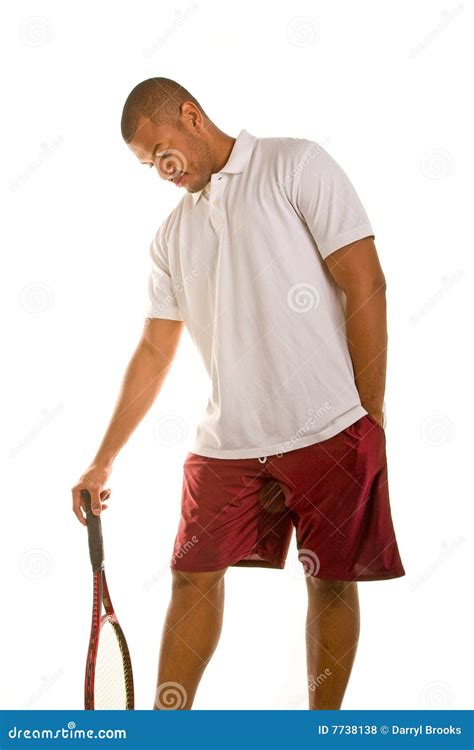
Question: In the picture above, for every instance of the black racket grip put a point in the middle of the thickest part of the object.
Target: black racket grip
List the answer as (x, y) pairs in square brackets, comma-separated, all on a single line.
[(94, 533)]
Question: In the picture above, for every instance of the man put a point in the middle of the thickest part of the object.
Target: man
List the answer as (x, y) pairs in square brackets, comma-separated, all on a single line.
[(270, 262)]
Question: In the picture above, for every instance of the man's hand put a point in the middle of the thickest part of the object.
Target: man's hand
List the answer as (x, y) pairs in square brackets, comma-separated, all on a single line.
[(92, 480)]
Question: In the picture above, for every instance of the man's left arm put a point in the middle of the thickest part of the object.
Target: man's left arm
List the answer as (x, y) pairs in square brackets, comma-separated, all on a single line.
[(356, 269)]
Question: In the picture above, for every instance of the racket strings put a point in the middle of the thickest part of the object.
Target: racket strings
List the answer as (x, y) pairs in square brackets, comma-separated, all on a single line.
[(111, 670)]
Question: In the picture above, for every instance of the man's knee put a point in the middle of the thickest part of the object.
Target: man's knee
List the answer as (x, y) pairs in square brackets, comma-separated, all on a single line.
[(326, 587), (202, 581)]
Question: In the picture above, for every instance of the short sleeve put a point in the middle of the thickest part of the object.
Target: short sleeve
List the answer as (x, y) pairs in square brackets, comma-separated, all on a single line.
[(328, 202), (162, 300)]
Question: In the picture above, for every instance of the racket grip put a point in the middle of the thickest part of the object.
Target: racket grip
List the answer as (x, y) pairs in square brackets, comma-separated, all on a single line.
[(94, 533)]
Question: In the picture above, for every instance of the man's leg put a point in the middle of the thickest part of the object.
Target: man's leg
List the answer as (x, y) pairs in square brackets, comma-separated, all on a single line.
[(190, 635), (332, 633)]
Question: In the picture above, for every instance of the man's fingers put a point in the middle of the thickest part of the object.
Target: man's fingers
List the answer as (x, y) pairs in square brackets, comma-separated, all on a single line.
[(80, 517), (97, 500), (96, 505), (76, 506)]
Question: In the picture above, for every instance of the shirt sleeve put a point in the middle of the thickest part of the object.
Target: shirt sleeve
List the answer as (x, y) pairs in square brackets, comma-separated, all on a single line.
[(328, 202), (162, 299)]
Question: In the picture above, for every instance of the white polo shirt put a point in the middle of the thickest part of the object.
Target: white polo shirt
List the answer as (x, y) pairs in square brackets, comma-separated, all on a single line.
[(242, 264)]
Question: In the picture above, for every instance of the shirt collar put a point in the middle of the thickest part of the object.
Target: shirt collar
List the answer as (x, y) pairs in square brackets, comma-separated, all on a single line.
[(237, 160)]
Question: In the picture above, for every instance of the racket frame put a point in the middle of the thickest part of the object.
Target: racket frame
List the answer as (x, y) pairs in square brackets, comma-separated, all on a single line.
[(101, 596)]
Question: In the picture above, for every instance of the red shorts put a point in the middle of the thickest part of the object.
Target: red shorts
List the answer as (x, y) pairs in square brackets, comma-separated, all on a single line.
[(334, 493)]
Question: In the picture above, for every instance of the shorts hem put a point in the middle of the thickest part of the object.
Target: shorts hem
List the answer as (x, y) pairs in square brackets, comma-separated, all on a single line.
[(251, 561), (369, 577)]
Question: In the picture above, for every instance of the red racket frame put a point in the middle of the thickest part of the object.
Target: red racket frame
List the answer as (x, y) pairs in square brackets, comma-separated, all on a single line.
[(101, 596)]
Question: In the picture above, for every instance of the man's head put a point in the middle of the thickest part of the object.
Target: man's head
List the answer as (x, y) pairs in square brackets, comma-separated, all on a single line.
[(166, 127)]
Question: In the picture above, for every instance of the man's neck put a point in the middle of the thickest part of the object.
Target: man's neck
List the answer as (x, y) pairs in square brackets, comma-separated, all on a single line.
[(223, 147)]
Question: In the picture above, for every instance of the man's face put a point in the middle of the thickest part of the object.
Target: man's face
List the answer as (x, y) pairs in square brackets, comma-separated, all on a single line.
[(180, 154)]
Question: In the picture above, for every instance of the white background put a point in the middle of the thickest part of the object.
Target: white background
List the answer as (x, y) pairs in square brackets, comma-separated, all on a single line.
[(385, 88)]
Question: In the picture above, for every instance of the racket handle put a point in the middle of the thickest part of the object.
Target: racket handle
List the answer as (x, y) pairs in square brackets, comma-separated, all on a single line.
[(94, 533)]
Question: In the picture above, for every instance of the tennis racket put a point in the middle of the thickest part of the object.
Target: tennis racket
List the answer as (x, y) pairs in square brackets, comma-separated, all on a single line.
[(109, 677)]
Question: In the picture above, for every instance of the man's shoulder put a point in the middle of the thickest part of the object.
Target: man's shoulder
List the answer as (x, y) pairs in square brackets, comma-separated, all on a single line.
[(285, 146), (283, 159), (286, 155)]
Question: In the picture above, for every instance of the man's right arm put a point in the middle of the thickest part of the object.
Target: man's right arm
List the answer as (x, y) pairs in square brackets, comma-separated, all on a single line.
[(142, 382)]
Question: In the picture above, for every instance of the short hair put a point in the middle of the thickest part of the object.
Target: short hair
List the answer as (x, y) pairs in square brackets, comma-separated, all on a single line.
[(158, 99)]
